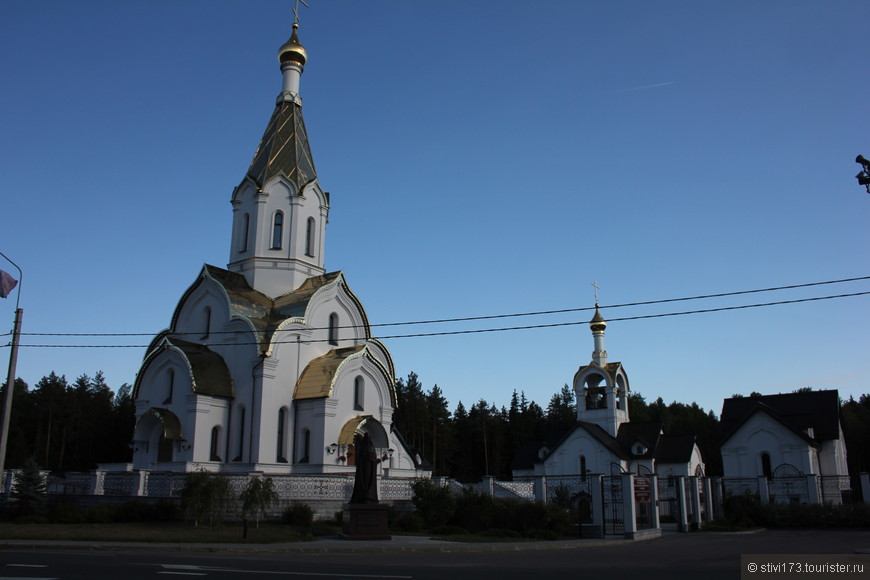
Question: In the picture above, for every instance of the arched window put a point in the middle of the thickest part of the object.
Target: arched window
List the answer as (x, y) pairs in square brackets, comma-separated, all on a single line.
[(306, 446), (206, 320), (170, 379), (241, 436), (333, 329), (280, 454), (358, 393), (766, 471), (246, 230), (214, 454), (309, 238), (277, 230), (596, 392), (583, 468)]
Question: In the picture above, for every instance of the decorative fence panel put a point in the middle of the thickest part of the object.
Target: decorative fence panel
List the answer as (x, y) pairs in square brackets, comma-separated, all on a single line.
[(836, 489), (740, 485), (514, 489), (120, 483), (567, 489), (788, 490)]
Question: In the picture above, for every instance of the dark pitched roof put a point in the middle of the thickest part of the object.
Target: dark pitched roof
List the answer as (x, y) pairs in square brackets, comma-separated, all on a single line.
[(675, 448), (284, 149), (819, 410), (209, 372), (646, 433)]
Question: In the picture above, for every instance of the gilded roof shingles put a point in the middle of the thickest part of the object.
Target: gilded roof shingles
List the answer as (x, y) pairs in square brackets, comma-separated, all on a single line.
[(284, 149)]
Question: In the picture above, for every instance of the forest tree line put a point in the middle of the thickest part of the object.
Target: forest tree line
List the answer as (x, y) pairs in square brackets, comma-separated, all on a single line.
[(74, 426)]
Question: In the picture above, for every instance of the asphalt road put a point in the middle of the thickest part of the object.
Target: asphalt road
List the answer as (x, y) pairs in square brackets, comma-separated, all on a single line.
[(708, 556)]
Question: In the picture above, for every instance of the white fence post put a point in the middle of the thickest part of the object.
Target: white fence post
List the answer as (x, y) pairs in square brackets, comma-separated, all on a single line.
[(865, 486), (541, 488), (763, 491), (629, 514), (813, 495), (683, 522)]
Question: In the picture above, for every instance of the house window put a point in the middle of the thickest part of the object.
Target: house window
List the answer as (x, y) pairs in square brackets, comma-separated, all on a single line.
[(246, 230), (215, 442), (765, 465), (583, 468), (358, 393), (309, 238), (282, 422), (333, 329), (277, 230)]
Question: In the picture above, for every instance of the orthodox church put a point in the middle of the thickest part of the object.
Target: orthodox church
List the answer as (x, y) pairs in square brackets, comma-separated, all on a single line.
[(270, 364), (604, 440)]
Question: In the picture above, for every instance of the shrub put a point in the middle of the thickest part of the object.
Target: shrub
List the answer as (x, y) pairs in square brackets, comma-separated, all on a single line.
[(409, 523), (299, 514), (101, 514), (64, 511), (474, 510), (434, 504)]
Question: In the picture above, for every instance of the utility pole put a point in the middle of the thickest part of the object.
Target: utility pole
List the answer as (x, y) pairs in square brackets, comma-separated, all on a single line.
[(10, 380)]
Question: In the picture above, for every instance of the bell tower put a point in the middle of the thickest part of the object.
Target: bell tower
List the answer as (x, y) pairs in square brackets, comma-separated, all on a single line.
[(279, 209), (601, 388)]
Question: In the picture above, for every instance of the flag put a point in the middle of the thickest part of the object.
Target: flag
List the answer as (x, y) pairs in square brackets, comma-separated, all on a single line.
[(7, 283)]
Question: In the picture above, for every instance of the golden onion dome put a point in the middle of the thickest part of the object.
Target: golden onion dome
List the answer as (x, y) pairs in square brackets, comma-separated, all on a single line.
[(597, 322), (292, 50)]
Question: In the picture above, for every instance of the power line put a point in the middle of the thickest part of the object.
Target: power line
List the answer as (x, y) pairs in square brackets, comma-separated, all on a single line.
[(503, 329), (485, 317)]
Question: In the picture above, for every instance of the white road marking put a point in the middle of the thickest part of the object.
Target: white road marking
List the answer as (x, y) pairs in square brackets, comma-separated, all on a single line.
[(188, 567), (27, 565)]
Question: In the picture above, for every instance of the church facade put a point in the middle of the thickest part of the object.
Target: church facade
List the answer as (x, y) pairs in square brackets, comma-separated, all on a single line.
[(269, 364), (604, 440)]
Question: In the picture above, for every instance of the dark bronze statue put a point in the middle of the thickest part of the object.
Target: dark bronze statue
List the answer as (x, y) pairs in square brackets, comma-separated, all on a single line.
[(365, 483)]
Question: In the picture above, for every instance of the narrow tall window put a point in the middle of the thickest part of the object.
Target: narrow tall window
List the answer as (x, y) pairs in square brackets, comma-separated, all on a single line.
[(206, 315), (309, 238), (282, 421), (765, 465), (583, 468), (277, 230), (241, 434), (333, 329), (358, 393), (246, 229), (213, 454), (306, 446), (170, 378)]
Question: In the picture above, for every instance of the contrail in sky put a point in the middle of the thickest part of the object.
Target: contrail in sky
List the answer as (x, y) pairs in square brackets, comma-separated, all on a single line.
[(644, 87)]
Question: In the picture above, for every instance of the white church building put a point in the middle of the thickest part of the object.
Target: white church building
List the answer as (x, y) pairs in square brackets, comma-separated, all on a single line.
[(269, 365), (604, 440)]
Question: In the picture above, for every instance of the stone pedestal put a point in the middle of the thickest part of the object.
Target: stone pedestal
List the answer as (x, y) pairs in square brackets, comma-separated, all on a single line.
[(366, 521)]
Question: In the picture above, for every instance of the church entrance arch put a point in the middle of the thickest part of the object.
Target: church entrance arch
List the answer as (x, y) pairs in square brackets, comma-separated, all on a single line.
[(359, 426), (156, 432)]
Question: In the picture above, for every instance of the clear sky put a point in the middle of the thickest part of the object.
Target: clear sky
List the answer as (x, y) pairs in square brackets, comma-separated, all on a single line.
[(486, 157)]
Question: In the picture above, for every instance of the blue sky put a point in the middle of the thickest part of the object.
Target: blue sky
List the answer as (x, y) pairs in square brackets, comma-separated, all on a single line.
[(483, 157)]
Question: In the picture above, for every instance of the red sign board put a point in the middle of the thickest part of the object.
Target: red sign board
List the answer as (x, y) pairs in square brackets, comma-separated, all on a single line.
[(641, 489)]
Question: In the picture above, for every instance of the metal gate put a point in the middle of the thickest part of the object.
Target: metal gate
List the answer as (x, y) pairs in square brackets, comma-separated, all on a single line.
[(611, 493), (669, 503)]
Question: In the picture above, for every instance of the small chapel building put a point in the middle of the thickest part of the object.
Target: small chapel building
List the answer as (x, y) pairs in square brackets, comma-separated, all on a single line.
[(604, 440), (269, 364), (785, 435)]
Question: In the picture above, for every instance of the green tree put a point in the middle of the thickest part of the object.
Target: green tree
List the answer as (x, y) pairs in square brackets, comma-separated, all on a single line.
[(28, 488), (257, 497), (205, 496)]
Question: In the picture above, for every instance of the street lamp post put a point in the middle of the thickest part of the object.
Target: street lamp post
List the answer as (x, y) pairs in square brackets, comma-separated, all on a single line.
[(10, 380)]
